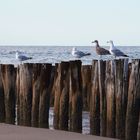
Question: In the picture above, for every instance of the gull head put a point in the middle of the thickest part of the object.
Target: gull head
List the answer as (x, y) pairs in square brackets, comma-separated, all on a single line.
[(74, 49), (17, 54), (95, 41)]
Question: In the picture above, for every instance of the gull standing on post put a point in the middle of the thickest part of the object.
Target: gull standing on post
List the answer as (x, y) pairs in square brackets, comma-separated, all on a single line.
[(99, 50), (21, 57), (78, 54), (114, 51)]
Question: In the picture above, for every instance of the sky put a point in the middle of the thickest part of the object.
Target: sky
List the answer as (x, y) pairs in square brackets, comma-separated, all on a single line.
[(69, 22)]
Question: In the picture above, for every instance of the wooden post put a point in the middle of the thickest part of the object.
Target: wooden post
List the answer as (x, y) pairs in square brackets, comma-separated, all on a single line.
[(132, 116), (101, 72), (125, 86), (64, 99), (54, 86), (51, 87), (18, 96), (25, 94), (2, 104), (44, 102), (110, 95), (121, 96), (86, 85), (36, 94), (61, 104), (8, 79), (75, 96), (138, 132), (41, 95), (95, 101), (56, 91)]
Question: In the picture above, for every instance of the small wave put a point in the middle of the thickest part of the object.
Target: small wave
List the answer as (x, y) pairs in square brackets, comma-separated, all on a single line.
[(56, 54)]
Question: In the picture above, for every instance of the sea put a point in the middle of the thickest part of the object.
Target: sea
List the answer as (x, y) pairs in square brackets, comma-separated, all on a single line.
[(85, 121), (56, 54)]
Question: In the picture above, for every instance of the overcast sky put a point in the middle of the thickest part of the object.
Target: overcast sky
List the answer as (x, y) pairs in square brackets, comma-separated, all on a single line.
[(69, 22)]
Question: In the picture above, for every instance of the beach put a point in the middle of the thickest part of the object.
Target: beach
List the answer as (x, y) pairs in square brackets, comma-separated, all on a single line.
[(13, 132)]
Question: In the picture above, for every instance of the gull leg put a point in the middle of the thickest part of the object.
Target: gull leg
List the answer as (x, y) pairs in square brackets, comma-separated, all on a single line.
[(99, 57), (113, 56)]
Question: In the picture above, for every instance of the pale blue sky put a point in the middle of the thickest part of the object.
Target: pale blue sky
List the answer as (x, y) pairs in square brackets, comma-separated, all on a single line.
[(69, 22)]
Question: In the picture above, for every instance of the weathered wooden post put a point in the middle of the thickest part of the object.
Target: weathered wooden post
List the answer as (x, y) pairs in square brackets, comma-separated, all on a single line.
[(25, 94), (103, 102), (44, 102), (61, 103), (75, 96), (36, 94), (125, 91), (86, 85), (132, 115), (8, 79), (54, 85), (138, 132), (2, 103), (95, 101), (51, 87), (121, 96), (56, 101), (110, 96), (17, 96), (125, 85)]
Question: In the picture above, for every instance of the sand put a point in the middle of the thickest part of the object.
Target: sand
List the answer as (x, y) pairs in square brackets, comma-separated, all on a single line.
[(12, 132)]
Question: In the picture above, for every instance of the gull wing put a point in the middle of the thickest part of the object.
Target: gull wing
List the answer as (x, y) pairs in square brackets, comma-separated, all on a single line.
[(117, 52), (102, 51), (23, 57), (80, 53)]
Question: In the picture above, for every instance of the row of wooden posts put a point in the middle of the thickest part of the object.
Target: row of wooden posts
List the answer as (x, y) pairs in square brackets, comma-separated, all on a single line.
[(110, 90)]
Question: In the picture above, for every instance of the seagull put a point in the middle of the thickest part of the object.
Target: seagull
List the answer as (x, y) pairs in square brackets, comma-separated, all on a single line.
[(78, 54), (21, 57), (99, 50), (114, 51)]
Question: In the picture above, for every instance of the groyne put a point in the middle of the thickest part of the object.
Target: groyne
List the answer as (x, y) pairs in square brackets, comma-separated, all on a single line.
[(109, 90)]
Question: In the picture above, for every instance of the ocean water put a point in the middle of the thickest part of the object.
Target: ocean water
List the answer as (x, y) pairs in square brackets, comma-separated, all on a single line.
[(56, 54)]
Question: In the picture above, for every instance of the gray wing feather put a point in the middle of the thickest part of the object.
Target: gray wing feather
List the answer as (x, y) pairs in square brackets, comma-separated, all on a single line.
[(81, 54), (22, 57), (118, 53)]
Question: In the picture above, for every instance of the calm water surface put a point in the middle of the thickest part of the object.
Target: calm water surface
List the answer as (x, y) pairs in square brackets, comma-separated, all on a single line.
[(56, 54)]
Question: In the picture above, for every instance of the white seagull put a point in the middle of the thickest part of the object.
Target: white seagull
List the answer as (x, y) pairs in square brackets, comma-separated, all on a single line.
[(78, 54), (114, 51), (21, 57)]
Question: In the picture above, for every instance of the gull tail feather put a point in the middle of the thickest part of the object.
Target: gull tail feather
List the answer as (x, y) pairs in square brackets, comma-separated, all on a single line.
[(88, 53), (125, 55)]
